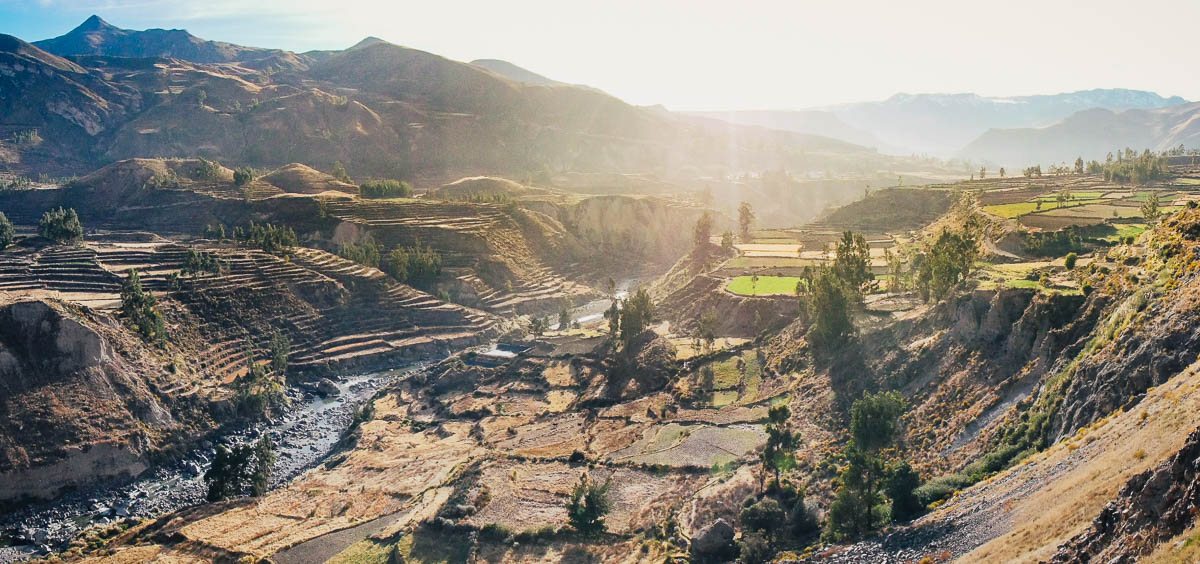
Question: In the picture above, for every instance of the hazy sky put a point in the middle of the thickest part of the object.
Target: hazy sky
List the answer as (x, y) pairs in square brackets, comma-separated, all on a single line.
[(708, 54)]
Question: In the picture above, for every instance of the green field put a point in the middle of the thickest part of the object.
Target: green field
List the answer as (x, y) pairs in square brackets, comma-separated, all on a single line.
[(1011, 210), (766, 286)]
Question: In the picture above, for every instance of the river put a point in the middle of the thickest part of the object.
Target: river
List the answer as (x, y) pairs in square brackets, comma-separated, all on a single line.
[(303, 438)]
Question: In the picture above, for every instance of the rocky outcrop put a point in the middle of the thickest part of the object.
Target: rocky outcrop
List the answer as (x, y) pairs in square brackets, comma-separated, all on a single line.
[(1153, 507)]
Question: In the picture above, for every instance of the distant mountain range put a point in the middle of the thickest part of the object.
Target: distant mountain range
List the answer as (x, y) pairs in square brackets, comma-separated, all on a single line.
[(1091, 134), (101, 93), (943, 124)]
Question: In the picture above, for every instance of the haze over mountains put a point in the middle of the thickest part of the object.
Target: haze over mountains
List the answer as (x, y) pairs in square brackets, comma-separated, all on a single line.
[(944, 124)]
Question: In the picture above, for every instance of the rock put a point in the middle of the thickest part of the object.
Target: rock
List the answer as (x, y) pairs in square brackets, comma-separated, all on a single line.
[(40, 536), (713, 538), (326, 388)]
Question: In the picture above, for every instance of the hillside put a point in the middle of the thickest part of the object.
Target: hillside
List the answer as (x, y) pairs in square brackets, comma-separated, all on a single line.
[(381, 109), (1091, 134)]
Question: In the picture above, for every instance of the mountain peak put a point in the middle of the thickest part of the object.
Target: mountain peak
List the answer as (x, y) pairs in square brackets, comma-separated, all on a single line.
[(93, 23), (367, 42)]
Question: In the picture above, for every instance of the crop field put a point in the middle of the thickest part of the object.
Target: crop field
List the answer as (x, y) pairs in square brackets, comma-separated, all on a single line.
[(765, 286), (769, 249), (691, 445)]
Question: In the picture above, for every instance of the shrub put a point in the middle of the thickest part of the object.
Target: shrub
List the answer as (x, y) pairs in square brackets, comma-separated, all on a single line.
[(140, 309), (7, 233), (365, 252), (754, 549), (588, 506), (243, 176), (765, 516), (416, 266), (61, 226), (208, 170), (1070, 260), (385, 189)]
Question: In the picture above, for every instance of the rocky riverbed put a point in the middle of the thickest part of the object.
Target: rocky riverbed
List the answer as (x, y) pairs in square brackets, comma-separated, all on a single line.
[(303, 437)]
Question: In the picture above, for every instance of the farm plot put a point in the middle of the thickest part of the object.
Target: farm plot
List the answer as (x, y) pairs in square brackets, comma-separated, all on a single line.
[(764, 286), (697, 446)]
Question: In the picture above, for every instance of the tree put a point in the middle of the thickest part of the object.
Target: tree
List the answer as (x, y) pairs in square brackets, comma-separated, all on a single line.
[(829, 309), (1001, 172), (1078, 165), (946, 264), (258, 392), (61, 226), (706, 328), (766, 516), (701, 234), (777, 454), (745, 220), (7, 233), (1069, 261), (873, 427), (264, 460), (385, 189), (339, 172), (564, 315), (637, 313), (982, 172), (895, 271), (538, 325), (1150, 209), (900, 486), (140, 310), (416, 266), (243, 176), (754, 549), (613, 315), (588, 506), (727, 242), (281, 347), (230, 471), (853, 263)]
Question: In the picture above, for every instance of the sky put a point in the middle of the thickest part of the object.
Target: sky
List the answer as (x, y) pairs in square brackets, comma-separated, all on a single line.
[(717, 55)]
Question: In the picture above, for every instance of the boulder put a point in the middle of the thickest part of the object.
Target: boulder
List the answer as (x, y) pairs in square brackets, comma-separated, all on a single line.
[(326, 387), (713, 539)]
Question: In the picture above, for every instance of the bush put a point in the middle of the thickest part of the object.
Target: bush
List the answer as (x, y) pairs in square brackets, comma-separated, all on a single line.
[(765, 516), (208, 170), (7, 233), (415, 266), (365, 252), (1070, 260), (140, 309), (901, 487), (385, 189), (61, 226), (588, 506), (243, 176), (754, 549)]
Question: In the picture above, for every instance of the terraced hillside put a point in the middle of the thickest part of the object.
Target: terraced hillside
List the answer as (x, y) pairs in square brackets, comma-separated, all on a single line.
[(335, 313)]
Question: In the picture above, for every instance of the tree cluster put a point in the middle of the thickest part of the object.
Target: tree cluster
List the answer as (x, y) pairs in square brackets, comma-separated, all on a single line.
[(8, 233), (61, 226), (946, 263), (386, 188), (271, 239), (588, 506), (416, 266), (629, 317), (140, 309), (240, 469)]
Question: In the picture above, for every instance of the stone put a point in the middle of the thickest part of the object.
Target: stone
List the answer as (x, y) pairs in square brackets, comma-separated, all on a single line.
[(714, 538), (326, 387)]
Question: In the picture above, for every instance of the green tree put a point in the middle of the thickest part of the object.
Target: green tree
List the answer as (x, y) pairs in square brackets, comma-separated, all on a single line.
[(281, 347), (1150, 209), (901, 486), (701, 234), (140, 309), (874, 422), (61, 226), (588, 506), (777, 454), (852, 263), (243, 176), (754, 549), (229, 474), (416, 266), (946, 264), (264, 460), (1070, 260), (538, 325), (745, 220), (7, 233), (637, 313), (386, 188), (564, 314), (765, 516), (1078, 165), (339, 172), (829, 310), (706, 328)]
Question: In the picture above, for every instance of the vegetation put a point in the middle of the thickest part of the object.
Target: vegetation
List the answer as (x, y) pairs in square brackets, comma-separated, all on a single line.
[(365, 252), (61, 226), (25, 137), (260, 393), (7, 233), (208, 170), (853, 264), (701, 234), (777, 454), (340, 174), (243, 176), (236, 469), (416, 266), (636, 314), (859, 506), (386, 188), (946, 264), (1150, 209), (269, 238), (745, 220), (763, 285), (588, 506), (140, 309), (195, 263), (829, 310)]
